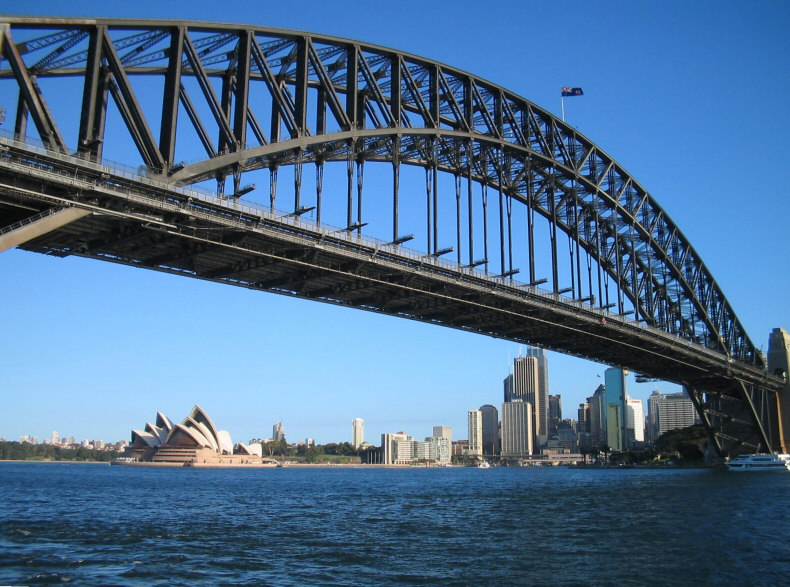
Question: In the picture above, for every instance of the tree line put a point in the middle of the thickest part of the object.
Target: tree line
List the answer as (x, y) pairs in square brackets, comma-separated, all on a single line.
[(310, 453), (25, 451)]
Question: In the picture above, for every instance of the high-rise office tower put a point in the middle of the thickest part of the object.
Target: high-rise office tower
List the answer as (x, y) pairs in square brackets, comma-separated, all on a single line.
[(475, 424), (541, 404), (524, 384), (634, 421), (357, 432), (597, 416), (652, 415), (278, 432), (517, 429), (615, 395), (555, 413), (668, 412), (490, 429), (583, 434)]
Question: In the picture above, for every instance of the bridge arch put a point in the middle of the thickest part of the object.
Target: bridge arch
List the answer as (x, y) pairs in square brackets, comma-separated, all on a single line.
[(256, 98)]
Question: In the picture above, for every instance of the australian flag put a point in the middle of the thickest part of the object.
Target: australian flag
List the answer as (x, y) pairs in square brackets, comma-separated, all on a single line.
[(571, 91)]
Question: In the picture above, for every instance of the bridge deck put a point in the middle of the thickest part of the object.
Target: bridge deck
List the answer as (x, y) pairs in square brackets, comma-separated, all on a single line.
[(140, 222)]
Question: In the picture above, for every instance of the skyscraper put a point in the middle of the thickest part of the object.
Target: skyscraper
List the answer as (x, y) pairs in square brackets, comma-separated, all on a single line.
[(541, 404), (524, 384), (583, 431), (615, 395), (278, 432), (475, 424), (517, 429), (668, 412), (357, 432), (597, 416), (555, 413), (635, 421), (490, 429)]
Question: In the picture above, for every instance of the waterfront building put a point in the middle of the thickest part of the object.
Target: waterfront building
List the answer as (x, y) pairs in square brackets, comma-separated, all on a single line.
[(389, 449), (517, 433), (475, 426), (442, 441), (357, 432), (195, 441), (278, 432), (490, 430), (403, 453), (442, 448)]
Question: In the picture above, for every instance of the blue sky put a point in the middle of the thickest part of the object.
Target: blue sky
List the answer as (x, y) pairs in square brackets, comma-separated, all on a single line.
[(691, 98)]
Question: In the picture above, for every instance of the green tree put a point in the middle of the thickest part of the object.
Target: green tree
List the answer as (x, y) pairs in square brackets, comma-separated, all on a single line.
[(684, 443)]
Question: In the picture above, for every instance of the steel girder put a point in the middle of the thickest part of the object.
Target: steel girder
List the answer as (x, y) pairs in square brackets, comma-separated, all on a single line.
[(336, 100)]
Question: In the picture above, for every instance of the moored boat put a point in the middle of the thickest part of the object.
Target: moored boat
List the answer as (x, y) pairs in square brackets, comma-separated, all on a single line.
[(759, 462)]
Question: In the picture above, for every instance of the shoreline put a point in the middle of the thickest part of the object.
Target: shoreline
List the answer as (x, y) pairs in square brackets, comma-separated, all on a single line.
[(54, 461)]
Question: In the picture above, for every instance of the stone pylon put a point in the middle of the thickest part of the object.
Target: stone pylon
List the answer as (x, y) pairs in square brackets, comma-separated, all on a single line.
[(779, 364)]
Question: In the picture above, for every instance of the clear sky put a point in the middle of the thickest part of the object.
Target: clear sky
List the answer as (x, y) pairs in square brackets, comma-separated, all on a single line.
[(690, 97)]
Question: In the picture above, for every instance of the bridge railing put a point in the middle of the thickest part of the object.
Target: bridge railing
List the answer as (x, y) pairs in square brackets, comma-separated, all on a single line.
[(195, 193)]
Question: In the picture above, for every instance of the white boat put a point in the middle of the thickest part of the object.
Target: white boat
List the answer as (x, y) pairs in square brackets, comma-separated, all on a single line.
[(759, 462), (483, 465)]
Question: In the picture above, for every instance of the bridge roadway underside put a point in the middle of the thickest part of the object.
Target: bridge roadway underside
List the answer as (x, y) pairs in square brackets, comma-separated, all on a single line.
[(135, 221)]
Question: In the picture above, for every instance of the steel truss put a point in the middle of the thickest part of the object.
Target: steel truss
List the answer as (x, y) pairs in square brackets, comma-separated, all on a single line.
[(257, 98)]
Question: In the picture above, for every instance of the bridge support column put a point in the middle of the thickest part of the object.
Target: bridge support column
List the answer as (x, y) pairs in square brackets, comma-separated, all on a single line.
[(38, 226), (779, 364)]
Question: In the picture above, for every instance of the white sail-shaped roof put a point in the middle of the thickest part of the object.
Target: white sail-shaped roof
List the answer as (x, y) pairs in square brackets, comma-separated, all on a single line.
[(255, 448), (163, 422), (225, 443), (182, 435), (160, 433), (206, 425), (143, 437)]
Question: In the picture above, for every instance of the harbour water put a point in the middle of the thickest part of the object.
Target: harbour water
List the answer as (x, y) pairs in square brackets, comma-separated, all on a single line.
[(94, 524)]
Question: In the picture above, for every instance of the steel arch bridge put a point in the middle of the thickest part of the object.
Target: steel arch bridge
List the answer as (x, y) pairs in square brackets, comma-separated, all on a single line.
[(504, 198)]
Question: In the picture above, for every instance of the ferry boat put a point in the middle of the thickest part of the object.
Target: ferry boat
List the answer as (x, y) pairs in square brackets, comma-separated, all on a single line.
[(760, 462)]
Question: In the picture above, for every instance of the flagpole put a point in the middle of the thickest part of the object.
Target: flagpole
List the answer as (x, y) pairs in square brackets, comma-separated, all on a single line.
[(562, 99)]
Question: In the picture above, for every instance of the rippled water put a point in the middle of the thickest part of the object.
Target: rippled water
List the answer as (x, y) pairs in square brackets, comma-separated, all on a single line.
[(94, 524)]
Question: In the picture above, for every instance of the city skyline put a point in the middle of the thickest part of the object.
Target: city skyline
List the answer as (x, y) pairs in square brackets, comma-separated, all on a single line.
[(93, 344)]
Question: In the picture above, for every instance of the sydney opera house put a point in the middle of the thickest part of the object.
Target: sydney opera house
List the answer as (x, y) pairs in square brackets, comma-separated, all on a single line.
[(196, 441)]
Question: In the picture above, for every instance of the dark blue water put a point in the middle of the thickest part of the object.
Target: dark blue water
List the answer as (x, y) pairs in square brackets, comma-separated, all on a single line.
[(94, 524)]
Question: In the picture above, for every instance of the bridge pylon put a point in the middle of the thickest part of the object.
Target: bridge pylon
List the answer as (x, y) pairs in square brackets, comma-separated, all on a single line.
[(779, 364)]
